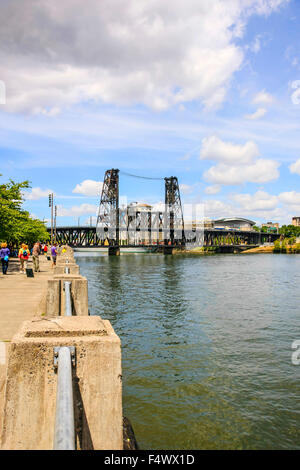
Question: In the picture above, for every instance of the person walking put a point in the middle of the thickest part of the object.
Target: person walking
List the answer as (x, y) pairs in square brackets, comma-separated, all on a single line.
[(54, 254), (45, 249), (23, 256), (36, 250), (4, 255)]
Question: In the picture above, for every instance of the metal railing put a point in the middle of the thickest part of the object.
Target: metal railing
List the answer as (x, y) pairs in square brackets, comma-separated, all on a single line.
[(64, 433), (68, 303)]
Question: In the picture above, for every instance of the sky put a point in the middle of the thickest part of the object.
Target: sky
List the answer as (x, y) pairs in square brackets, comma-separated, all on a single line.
[(208, 91)]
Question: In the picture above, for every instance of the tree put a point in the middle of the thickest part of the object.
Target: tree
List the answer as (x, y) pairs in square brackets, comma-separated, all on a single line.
[(290, 231), (16, 225)]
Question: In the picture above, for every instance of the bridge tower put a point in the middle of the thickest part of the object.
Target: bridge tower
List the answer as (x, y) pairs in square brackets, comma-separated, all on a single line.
[(173, 214), (108, 217)]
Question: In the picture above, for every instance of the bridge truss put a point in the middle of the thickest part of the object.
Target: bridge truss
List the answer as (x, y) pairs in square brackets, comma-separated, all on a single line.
[(87, 237), (118, 224), (130, 226)]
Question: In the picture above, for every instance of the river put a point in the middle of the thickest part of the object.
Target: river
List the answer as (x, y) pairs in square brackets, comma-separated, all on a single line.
[(206, 346)]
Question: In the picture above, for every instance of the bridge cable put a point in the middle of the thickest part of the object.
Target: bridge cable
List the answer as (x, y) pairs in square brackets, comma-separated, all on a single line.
[(141, 177)]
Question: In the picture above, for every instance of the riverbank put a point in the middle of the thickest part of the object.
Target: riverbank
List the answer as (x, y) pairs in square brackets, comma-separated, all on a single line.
[(276, 248), (280, 247)]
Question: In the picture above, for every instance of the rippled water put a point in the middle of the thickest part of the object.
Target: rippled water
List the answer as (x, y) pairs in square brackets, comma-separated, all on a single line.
[(206, 346)]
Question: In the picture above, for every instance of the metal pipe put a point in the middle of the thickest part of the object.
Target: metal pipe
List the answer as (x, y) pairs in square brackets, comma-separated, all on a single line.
[(68, 305), (64, 434)]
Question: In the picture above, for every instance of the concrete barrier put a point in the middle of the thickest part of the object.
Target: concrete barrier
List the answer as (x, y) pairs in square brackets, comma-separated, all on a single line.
[(72, 268), (55, 303), (30, 390), (30, 386)]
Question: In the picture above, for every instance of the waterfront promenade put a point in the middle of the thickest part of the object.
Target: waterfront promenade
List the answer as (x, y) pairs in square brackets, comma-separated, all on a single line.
[(54, 357), (21, 297), (18, 290)]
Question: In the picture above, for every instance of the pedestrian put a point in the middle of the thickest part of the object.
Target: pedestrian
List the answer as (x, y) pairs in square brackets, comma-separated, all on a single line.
[(36, 250), (4, 255), (54, 254), (45, 249), (23, 255)]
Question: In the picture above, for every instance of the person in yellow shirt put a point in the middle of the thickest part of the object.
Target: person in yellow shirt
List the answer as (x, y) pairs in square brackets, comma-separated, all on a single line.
[(23, 256)]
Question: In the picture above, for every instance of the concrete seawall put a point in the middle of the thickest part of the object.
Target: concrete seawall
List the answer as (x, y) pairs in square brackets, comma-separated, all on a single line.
[(34, 325)]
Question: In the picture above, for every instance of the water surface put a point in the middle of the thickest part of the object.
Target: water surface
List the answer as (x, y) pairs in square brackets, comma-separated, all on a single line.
[(206, 346)]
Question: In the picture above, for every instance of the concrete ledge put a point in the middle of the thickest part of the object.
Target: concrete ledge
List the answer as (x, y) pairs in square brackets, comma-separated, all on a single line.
[(56, 296), (30, 390), (72, 267)]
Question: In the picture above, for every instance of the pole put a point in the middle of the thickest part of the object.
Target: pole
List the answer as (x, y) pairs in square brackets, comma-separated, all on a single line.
[(55, 214), (64, 434), (68, 305), (51, 205)]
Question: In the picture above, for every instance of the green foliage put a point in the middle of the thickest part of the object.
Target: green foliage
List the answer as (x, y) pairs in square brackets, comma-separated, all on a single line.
[(277, 246), (288, 245), (16, 225), (290, 231)]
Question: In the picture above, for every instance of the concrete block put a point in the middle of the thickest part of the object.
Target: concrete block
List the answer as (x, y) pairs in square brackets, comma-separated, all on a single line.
[(53, 297), (72, 268), (65, 260), (30, 389), (56, 295)]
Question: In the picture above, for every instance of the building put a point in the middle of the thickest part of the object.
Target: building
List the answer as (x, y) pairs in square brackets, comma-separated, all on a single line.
[(271, 227), (234, 223), (296, 221), (135, 216), (198, 224)]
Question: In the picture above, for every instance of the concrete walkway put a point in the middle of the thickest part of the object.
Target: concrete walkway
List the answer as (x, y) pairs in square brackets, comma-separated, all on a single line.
[(20, 298)]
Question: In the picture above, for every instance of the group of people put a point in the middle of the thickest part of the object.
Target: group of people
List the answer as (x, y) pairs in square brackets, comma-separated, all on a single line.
[(24, 253)]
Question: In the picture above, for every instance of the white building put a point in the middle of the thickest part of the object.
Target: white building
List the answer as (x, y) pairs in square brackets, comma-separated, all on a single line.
[(234, 223)]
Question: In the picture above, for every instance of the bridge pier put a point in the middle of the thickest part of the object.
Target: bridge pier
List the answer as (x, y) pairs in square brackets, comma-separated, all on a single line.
[(113, 251)]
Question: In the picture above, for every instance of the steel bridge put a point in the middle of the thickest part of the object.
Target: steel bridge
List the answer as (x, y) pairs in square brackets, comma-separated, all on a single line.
[(86, 237), (163, 229)]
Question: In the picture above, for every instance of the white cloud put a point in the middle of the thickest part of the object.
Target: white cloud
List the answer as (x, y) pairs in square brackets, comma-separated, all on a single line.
[(260, 201), (214, 189), (261, 171), (215, 149), (257, 114), (263, 98), (151, 52), (37, 193), (260, 206), (291, 198), (186, 188), (237, 164), (77, 211), (256, 45), (295, 167), (88, 188)]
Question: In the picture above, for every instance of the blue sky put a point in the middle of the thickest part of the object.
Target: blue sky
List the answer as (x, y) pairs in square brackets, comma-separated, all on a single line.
[(207, 92)]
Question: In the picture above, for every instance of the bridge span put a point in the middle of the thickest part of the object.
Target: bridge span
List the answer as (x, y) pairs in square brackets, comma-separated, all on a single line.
[(86, 237)]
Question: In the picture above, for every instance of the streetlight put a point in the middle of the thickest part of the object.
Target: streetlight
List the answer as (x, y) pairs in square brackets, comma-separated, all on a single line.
[(55, 215), (51, 205)]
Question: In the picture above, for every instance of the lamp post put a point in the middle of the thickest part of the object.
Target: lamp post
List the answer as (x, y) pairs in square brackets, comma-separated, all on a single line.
[(51, 205), (55, 215)]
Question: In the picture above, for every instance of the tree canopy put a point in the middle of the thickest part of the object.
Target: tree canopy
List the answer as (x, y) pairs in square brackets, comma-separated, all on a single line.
[(290, 231), (16, 225)]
